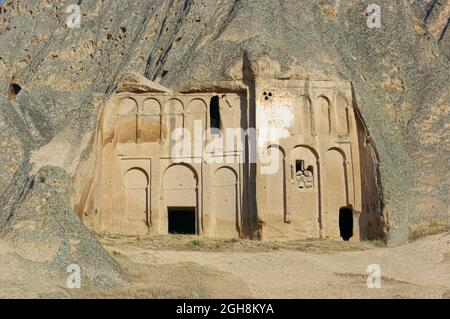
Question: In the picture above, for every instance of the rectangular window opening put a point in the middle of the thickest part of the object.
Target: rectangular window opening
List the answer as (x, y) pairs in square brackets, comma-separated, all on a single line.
[(299, 166)]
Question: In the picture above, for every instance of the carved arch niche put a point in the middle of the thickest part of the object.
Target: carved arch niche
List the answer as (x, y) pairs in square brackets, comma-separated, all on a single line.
[(126, 121), (323, 115), (150, 120), (172, 118), (276, 185), (136, 202), (304, 189), (342, 115), (306, 116), (180, 183), (195, 119), (226, 202), (337, 189)]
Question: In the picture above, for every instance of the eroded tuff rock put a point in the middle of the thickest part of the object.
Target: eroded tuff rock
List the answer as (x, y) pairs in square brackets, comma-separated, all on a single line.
[(435, 16), (43, 229), (399, 73)]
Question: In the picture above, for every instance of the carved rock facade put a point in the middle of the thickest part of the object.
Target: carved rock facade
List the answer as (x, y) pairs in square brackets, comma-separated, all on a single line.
[(167, 162)]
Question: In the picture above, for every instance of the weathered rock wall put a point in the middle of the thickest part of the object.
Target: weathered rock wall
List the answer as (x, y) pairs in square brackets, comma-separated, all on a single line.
[(399, 74)]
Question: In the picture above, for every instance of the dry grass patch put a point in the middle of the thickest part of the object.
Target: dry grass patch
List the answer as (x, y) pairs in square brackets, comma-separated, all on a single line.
[(196, 243), (429, 228)]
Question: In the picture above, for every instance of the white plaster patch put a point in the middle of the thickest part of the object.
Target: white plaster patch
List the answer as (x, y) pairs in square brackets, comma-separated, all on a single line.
[(273, 121)]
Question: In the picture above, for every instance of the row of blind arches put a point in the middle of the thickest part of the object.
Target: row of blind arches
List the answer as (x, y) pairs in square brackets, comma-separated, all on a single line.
[(196, 108), (311, 118), (179, 176), (322, 117)]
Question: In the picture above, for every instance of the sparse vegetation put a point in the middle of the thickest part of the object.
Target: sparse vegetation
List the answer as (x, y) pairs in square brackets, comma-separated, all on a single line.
[(428, 228), (187, 242), (115, 253)]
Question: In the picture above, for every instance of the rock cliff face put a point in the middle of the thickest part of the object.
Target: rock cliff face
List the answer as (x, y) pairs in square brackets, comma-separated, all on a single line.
[(49, 74), (436, 16)]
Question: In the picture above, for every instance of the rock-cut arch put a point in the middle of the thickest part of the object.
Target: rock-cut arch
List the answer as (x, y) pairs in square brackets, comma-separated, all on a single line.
[(304, 190), (127, 106), (136, 202), (172, 117), (180, 196), (342, 115), (305, 116), (226, 202), (275, 208), (337, 189), (180, 183), (195, 119), (135, 178), (322, 110), (126, 123), (150, 120)]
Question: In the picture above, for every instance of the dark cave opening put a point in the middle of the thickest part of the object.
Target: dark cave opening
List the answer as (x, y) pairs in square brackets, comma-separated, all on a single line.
[(346, 223), (181, 220)]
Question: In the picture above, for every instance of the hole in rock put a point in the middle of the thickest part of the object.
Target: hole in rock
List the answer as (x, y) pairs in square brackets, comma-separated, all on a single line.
[(15, 88), (346, 223)]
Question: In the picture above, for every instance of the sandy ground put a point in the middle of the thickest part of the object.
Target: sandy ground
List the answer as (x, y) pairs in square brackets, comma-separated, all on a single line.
[(189, 267)]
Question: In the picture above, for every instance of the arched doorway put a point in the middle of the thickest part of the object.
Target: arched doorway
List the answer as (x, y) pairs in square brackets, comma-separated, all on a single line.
[(135, 218), (180, 199), (346, 223), (336, 195)]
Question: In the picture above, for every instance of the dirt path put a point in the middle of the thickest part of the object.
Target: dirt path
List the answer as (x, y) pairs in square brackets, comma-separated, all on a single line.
[(419, 269), (179, 267)]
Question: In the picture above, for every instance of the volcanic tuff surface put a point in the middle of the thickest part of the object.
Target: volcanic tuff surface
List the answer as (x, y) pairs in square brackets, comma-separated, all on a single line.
[(49, 73)]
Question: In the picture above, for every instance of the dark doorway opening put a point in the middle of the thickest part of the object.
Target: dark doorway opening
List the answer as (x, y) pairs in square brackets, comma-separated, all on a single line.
[(299, 166), (181, 220), (214, 115), (346, 222)]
